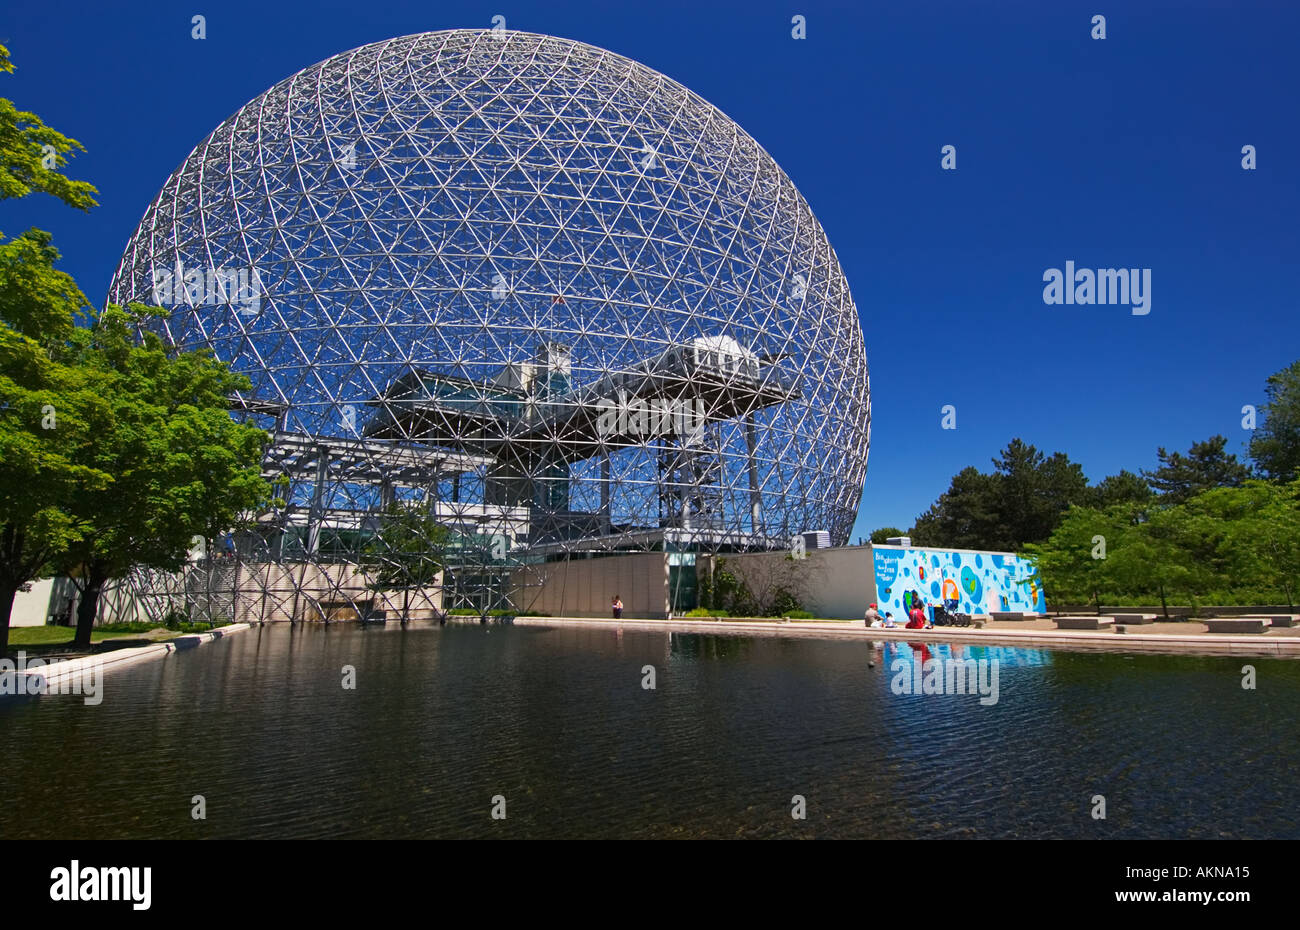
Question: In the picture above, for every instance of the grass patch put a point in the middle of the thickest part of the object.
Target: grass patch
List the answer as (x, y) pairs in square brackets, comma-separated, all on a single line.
[(56, 635), (40, 639)]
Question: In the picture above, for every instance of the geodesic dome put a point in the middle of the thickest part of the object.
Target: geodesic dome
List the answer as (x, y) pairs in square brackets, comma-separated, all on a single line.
[(546, 291)]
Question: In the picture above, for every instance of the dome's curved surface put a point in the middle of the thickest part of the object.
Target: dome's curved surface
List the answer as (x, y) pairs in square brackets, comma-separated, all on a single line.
[(509, 218)]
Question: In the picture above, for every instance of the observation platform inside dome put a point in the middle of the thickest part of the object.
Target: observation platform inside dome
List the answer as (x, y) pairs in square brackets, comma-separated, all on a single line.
[(528, 410)]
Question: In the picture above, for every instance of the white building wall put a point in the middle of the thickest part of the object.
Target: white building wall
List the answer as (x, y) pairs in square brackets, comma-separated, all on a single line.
[(835, 583), (31, 608)]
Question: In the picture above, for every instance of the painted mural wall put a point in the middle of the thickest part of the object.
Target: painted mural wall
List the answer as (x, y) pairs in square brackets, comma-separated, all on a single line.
[(980, 582)]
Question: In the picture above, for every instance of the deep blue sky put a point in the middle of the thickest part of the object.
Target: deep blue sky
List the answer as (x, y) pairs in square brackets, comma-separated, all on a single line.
[(1122, 152)]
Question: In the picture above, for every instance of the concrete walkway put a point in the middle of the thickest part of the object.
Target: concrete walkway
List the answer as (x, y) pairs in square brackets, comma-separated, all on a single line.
[(1189, 638)]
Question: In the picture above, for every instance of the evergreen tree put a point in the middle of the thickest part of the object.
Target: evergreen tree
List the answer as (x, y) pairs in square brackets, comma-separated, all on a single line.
[(966, 516), (1206, 465), (1123, 488)]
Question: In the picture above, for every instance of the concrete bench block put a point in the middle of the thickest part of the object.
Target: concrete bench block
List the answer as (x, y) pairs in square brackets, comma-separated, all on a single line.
[(1012, 615), (1084, 623), (1237, 625), (1275, 619), (1134, 618)]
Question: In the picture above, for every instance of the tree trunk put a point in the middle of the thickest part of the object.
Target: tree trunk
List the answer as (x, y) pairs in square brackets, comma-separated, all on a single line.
[(7, 593), (86, 610), (1163, 603), (11, 550)]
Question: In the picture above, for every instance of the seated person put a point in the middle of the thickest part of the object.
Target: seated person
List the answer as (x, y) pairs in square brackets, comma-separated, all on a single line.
[(873, 616), (916, 620)]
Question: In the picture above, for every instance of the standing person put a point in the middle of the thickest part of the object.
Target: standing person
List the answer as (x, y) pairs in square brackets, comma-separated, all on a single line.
[(873, 616), (617, 604)]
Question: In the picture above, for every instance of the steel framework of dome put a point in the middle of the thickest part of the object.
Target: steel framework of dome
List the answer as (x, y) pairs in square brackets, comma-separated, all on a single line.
[(516, 287)]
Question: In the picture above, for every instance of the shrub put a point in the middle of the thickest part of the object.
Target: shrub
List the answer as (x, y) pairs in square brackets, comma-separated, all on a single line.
[(123, 626), (784, 604)]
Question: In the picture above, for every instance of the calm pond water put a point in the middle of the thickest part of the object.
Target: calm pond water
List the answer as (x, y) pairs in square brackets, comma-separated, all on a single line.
[(557, 722)]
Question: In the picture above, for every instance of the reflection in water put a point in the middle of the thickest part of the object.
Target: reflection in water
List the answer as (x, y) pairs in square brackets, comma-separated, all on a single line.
[(1006, 656), (557, 720)]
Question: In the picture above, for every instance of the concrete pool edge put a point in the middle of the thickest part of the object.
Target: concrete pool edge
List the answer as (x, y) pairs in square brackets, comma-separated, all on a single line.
[(59, 671), (1186, 644)]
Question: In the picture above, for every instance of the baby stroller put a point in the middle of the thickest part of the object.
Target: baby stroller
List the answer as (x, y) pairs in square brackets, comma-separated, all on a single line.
[(945, 617)]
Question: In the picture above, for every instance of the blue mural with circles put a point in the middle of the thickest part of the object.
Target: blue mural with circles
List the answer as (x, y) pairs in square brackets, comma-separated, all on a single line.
[(980, 582)]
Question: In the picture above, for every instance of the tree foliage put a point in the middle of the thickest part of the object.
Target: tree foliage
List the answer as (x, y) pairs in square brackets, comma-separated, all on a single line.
[(966, 516), (1234, 544), (32, 153), (1124, 488), (181, 466), (1074, 562), (1275, 445), (407, 551), (1206, 465), (1020, 501), (50, 415), (114, 450), (885, 533)]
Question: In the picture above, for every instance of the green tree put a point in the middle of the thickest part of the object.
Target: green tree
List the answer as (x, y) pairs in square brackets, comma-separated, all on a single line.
[(1275, 445), (113, 451), (1206, 465), (1020, 502), (181, 466), (407, 552), (49, 414), (1254, 532), (1034, 491), (1157, 557), (881, 536), (966, 516), (1074, 561)]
